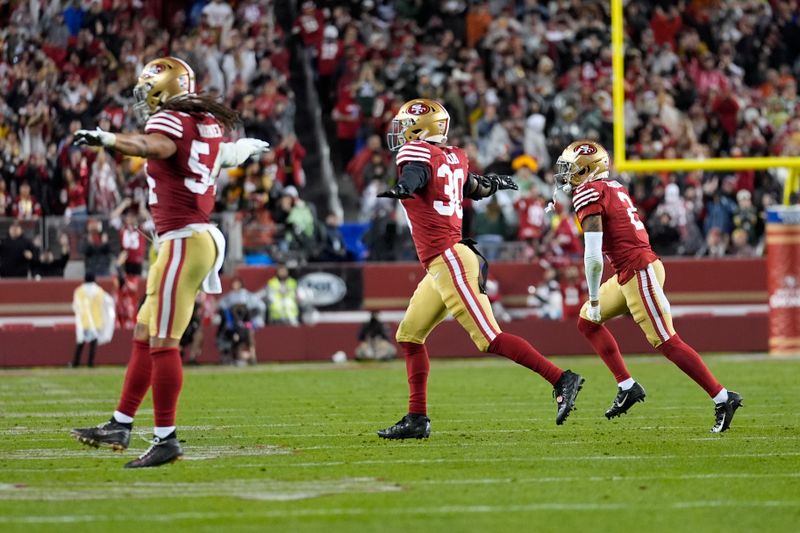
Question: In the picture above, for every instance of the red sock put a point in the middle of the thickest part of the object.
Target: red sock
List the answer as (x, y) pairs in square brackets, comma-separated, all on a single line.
[(605, 346), (521, 352), (137, 379), (167, 383), (690, 362), (417, 367)]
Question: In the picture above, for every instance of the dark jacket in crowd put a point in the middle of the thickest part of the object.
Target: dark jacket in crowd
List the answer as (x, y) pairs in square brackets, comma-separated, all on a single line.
[(13, 263)]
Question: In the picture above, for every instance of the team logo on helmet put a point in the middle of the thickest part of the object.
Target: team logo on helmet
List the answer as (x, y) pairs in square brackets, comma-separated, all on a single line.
[(585, 149), (418, 109), (152, 70)]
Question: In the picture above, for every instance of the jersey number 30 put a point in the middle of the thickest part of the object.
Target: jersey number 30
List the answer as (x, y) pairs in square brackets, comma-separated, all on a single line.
[(453, 189)]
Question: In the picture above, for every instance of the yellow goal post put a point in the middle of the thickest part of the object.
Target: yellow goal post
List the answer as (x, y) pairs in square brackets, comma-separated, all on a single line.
[(622, 164)]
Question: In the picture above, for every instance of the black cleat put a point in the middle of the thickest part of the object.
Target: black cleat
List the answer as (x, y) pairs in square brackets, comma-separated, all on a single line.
[(625, 400), (160, 452), (723, 412), (565, 392), (111, 434), (410, 426)]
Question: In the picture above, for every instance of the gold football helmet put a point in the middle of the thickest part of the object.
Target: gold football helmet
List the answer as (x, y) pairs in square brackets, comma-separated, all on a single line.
[(161, 80), (419, 119), (581, 161)]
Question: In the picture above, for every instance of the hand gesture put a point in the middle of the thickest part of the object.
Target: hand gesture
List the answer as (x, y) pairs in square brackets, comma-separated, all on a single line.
[(398, 192)]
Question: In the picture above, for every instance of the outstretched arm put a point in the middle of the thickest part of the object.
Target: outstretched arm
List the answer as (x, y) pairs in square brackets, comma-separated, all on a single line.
[(413, 177), (593, 261), (478, 187), (147, 145)]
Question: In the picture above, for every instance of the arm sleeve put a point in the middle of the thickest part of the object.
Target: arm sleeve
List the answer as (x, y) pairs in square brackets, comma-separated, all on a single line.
[(414, 175), (593, 262), (477, 188)]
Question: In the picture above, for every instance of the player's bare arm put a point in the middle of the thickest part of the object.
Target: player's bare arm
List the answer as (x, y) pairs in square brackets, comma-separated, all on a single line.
[(593, 261), (147, 145)]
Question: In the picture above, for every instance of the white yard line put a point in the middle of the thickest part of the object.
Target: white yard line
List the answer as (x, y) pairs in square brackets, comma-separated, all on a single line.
[(399, 511)]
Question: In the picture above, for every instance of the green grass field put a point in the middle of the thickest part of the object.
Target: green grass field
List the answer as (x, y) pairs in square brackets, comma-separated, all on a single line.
[(292, 448)]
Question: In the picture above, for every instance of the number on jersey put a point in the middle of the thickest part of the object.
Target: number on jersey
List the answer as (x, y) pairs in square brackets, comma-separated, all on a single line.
[(196, 185), (453, 189), (638, 224)]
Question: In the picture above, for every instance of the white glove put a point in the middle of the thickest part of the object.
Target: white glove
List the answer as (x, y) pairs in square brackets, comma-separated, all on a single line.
[(593, 312), (253, 146), (96, 137), (234, 154)]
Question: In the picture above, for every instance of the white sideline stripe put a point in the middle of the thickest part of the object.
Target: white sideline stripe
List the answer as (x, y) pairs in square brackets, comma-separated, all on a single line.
[(400, 511), (165, 297), (165, 129), (166, 119), (466, 296), (661, 330)]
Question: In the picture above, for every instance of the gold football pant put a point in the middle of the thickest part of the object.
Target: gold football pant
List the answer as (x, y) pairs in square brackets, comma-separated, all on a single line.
[(642, 295), (450, 286), (173, 283)]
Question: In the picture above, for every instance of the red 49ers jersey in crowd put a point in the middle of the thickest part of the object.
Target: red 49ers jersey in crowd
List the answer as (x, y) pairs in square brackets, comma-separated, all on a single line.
[(182, 188), (435, 213), (625, 238), (132, 241)]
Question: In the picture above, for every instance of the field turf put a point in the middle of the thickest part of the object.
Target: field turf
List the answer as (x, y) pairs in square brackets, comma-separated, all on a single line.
[(292, 448)]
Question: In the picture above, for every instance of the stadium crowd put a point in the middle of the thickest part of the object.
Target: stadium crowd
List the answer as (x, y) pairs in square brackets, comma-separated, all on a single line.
[(521, 80)]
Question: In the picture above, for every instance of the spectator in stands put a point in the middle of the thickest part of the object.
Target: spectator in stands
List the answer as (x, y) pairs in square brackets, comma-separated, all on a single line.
[(546, 299), (740, 247), (47, 265), (104, 197), (664, 235), (374, 343), (363, 165), (745, 216), (574, 292), (333, 245), (16, 253), (96, 249), (491, 229), (716, 244), (242, 312), (25, 205), (289, 157), (281, 296), (719, 213), (347, 114), (94, 318), (5, 198)]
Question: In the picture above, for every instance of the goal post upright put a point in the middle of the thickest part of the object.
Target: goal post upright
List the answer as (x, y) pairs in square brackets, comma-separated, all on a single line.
[(623, 164)]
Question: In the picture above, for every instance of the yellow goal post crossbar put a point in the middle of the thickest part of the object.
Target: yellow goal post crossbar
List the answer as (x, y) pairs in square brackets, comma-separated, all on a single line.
[(622, 164)]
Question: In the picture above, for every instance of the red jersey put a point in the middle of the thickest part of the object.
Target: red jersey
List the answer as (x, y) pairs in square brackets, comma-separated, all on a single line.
[(182, 188), (532, 218), (133, 242), (573, 295), (625, 239), (435, 213)]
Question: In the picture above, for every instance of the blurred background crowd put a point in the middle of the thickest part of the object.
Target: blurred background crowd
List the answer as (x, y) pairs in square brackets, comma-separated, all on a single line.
[(521, 79)]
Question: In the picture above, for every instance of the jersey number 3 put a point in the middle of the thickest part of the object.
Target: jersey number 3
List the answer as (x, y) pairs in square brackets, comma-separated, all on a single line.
[(453, 189)]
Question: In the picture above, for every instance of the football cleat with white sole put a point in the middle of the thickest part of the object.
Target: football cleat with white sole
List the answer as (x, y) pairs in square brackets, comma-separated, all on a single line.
[(160, 452), (625, 400), (724, 411), (109, 434)]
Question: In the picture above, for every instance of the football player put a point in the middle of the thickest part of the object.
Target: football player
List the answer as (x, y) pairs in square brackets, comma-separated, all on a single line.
[(611, 225), (184, 148), (433, 180)]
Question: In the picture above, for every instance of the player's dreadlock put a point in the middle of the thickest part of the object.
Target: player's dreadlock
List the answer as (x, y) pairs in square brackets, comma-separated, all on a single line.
[(204, 103)]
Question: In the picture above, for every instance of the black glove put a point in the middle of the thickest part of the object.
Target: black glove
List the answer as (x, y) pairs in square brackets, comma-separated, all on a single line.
[(398, 192), (498, 183)]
